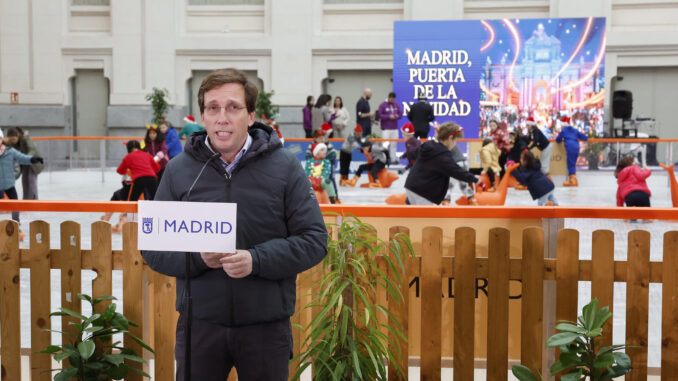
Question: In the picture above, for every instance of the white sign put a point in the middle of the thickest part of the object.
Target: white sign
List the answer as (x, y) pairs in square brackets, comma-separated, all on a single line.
[(187, 226)]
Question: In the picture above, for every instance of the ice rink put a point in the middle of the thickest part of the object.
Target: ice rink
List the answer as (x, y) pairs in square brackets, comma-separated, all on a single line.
[(597, 188)]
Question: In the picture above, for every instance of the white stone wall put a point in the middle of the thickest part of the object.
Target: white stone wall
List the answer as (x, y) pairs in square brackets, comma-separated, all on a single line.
[(292, 44)]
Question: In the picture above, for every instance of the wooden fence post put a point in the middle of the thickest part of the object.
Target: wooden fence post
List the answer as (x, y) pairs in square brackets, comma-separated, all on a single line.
[(567, 278), (102, 252), (532, 307), (40, 308), (498, 304), (400, 313), (464, 302), (132, 293), (70, 257), (669, 343), (602, 276), (10, 307), (431, 303), (637, 298)]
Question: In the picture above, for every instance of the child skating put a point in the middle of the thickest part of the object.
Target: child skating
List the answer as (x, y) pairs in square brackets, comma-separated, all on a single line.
[(571, 137), (529, 174)]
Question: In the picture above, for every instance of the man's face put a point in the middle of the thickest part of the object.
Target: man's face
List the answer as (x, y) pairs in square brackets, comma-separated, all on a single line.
[(368, 95), (391, 100), (227, 127)]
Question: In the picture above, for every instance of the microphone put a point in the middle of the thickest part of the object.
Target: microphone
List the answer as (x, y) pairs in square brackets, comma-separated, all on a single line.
[(190, 189)]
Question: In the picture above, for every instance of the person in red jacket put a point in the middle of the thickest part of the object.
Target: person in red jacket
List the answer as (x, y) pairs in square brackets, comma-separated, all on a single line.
[(143, 170), (632, 187)]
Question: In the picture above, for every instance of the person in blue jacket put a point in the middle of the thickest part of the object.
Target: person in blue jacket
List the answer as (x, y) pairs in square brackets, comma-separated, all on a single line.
[(529, 174), (571, 136), (171, 139)]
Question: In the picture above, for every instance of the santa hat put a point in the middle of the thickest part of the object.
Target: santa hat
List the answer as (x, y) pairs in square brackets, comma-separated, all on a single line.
[(565, 120), (315, 148), (358, 128), (408, 128), (327, 128), (189, 119), (530, 121)]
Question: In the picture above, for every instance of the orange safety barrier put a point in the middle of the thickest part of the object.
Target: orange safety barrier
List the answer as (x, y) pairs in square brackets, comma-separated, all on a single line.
[(413, 211)]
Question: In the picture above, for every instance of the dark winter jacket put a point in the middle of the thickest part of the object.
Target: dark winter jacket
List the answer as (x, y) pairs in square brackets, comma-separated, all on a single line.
[(535, 181), (519, 146), (421, 114), (278, 221), (430, 175), (538, 139)]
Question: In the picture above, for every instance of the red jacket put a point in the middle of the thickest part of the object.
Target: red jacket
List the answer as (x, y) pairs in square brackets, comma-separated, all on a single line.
[(630, 179), (140, 163)]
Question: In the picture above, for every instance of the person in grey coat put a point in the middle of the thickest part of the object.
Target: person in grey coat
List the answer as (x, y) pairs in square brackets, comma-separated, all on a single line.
[(242, 301), (9, 156), (29, 173)]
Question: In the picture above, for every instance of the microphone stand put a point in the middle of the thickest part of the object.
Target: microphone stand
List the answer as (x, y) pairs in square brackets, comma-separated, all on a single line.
[(188, 300)]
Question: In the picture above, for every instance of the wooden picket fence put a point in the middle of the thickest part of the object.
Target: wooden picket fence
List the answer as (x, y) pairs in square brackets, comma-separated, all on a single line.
[(157, 318)]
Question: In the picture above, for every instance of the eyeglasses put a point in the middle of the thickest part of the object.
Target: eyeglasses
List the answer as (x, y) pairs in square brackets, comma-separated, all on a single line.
[(216, 109)]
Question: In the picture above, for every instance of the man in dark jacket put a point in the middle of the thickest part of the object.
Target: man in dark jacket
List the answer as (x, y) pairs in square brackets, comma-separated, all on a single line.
[(429, 178), (421, 114), (363, 114), (242, 301)]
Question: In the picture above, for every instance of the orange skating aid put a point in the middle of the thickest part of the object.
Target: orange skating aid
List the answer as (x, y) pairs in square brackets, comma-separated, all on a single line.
[(674, 184), (491, 198)]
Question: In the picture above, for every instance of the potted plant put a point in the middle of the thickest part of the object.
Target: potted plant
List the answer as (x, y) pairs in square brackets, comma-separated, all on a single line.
[(580, 358), (345, 340), (592, 150), (91, 355), (265, 108), (159, 104)]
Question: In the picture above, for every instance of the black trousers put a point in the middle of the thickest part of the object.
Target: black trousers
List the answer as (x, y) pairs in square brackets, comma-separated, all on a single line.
[(637, 198), (503, 158), (259, 352), (344, 163), (490, 174), (374, 168), (421, 134), (147, 185)]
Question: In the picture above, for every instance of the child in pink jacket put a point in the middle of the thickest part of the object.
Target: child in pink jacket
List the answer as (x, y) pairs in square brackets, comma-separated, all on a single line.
[(632, 188)]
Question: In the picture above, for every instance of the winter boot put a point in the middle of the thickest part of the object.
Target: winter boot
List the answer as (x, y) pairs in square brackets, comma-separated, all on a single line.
[(353, 181), (333, 200), (22, 235), (568, 182), (118, 228), (344, 180), (573, 180), (107, 217)]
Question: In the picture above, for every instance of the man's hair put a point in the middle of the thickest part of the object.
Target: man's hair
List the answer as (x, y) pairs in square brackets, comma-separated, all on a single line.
[(449, 128), (14, 131), (132, 144), (391, 94), (223, 76)]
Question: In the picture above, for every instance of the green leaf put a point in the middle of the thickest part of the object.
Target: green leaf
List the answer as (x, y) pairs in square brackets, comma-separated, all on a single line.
[(103, 298), (72, 313), (61, 356), (573, 376), (595, 332), (602, 316), (589, 314), (622, 359), (561, 339), (603, 361), (66, 374), (114, 359), (85, 297), (51, 349), (86, 349), (566, 327), (523, 373)]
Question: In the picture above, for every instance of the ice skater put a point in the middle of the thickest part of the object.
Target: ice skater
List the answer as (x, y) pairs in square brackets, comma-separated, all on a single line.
[(571, 137), (529, 174)]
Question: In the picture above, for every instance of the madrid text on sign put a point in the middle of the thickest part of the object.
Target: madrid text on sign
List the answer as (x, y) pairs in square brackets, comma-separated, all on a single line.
[(481, 286)]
